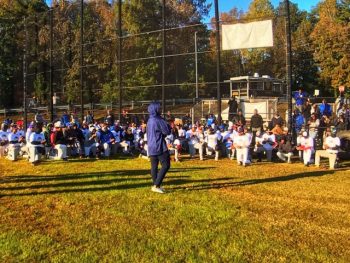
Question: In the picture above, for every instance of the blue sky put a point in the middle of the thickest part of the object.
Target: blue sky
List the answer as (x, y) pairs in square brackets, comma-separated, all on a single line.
[(226, 5)]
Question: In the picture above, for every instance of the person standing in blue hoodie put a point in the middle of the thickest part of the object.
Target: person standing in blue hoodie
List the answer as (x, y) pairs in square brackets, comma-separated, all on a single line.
[(300, 97), (325, 108), (157, 130)]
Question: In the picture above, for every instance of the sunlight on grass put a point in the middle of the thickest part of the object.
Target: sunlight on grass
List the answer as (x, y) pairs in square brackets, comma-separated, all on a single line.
[(92, 211)]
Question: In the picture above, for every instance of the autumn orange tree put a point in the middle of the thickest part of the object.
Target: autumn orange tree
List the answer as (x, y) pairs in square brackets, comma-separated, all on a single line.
[(332, 43), (320, 42), (272, 61)]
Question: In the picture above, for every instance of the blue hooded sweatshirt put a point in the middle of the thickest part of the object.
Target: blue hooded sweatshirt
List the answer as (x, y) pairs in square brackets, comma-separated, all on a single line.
[(325, 109), (157, 130), (300, 97)]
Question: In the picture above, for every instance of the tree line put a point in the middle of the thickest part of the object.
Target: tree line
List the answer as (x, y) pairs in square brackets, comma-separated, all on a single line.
[(320, 42)]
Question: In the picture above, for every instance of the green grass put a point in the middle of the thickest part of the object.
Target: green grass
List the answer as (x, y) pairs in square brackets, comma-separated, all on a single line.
[(104, 211)]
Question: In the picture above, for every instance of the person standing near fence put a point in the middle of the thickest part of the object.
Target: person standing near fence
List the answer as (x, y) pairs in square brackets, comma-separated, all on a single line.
[(233, 107), (300, 97), (256, 124), (325, 109), (157, 130)]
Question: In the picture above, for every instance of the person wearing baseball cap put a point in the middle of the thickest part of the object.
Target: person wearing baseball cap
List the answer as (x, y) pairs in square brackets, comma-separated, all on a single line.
[(14, 143), (37, 144), (59, 141)]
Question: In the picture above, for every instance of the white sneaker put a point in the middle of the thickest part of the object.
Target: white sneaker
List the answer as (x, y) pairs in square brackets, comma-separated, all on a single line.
[(158, 190)]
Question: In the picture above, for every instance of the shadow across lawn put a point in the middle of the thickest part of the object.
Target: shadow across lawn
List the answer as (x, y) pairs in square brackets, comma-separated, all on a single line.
[(24, 185), (277, 179), (45, 189), (132, 179), (98, 175)]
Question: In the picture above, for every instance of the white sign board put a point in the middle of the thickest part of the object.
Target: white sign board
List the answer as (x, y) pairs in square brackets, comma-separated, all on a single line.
[(248, 35)]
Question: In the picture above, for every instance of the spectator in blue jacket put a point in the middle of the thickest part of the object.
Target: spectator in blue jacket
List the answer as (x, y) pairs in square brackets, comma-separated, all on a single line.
[(300, 97), (325, 109), (157, 130), (211, 119), (298, 121), (65, 118)]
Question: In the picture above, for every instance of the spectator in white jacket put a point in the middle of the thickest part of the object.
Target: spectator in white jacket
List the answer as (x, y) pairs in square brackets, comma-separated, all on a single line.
[(212, 141), (14, 143), (241, 144), (37, 142), (330, 150), (4, 142), (307, 146), (194, 143)]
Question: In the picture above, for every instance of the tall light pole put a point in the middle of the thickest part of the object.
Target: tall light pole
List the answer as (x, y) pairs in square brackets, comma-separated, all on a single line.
[(51, 64), (82, 58), (289, 65), (218, 58), (163, 56), (120, 57), (196, 62), (25, 75)]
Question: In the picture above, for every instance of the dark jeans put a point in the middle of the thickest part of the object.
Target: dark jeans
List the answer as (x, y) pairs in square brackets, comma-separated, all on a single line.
[(164, 160), (231, 116)]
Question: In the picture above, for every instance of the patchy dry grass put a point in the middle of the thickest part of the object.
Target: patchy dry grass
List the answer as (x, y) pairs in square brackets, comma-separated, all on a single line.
[(93, 211)]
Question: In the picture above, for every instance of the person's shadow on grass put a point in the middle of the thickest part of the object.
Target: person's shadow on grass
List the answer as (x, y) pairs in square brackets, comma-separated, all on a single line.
[(132, 179), (26, 185), (215, 185)]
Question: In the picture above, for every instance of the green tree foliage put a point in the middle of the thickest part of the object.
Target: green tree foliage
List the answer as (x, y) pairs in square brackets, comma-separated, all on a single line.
[(320, 48), (304, 67), (40, 88), (332, 43), (232, 60), (279, 51), (259, 59), (344, 11), (13, 32), (7, 63), (272, 61), (143, 16)]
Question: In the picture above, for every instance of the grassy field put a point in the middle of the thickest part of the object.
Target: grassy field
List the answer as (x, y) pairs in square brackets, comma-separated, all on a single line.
[(104, 211)]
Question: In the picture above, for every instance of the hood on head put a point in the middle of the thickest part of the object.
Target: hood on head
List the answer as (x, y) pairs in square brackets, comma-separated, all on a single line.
[(154, 109)]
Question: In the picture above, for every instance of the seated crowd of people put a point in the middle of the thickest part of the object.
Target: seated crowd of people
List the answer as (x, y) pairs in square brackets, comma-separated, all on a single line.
[(234, 139)]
